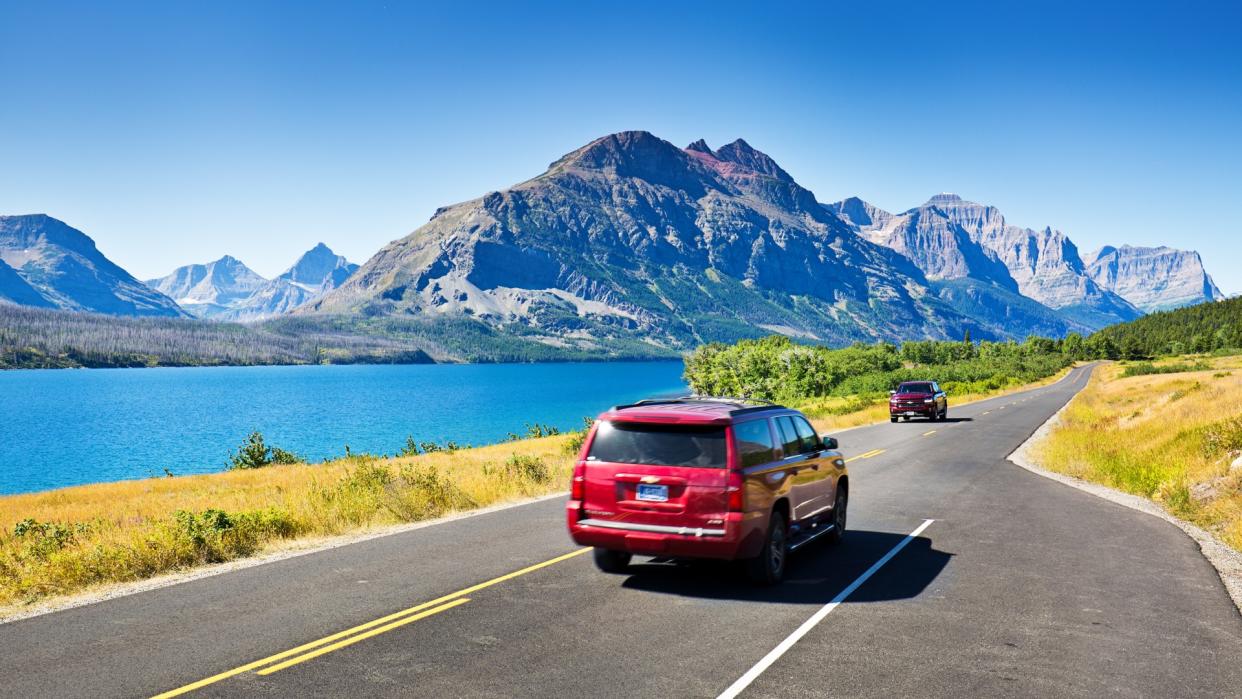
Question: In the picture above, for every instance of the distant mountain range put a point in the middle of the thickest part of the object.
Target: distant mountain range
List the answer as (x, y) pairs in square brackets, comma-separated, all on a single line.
[(229, 290), (633, 236), (44, 262), (632, 240)]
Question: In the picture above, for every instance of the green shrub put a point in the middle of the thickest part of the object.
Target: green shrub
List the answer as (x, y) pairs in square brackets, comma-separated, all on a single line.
[(573, 445), (1147, 368), (44, 538), (213, 536), (255, 453), (536, 430), (522, 468), (410, 448), (1224, 437), (422, 493)]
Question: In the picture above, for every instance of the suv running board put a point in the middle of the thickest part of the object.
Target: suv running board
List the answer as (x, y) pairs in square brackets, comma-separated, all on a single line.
[(815, 534)]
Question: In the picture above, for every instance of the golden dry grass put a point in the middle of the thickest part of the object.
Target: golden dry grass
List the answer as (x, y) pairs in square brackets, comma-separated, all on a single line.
[(1167, 437), (114, 532)]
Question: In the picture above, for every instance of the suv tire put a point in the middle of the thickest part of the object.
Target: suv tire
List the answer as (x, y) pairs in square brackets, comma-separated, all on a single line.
[(611, 561), (768, 568), (839, 511)]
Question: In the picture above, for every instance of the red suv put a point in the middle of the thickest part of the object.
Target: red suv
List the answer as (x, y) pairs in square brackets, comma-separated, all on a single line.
[(706, 478), (918, 399)]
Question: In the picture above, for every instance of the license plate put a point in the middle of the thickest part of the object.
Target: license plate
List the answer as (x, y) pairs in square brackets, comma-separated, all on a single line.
[(653, 493)]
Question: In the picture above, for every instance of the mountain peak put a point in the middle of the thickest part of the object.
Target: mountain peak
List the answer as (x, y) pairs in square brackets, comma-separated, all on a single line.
[(860, 213), (945, 198), (618, 149), (700, 146), (318, 266), (742, 153)]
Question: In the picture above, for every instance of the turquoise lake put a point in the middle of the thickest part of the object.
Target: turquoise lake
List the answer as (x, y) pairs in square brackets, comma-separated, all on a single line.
[(67, 427)]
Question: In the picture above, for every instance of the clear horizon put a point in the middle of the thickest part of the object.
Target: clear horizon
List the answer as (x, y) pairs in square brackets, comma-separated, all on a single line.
[(174, 135)]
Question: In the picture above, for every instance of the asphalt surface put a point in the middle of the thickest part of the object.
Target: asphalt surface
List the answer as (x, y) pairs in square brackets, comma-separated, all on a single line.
[(1019, 587)]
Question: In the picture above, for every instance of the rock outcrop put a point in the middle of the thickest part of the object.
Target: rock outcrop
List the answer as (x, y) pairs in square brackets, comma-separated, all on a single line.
[(1153, 279)]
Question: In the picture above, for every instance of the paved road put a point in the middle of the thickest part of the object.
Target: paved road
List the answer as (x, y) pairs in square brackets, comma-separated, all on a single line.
[(1019, 587)]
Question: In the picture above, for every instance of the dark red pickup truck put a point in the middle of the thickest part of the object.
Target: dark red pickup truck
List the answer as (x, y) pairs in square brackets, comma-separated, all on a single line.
[(918, 399)]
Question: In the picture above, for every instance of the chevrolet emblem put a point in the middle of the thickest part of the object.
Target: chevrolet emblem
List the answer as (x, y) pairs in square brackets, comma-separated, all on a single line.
[(650, 479)]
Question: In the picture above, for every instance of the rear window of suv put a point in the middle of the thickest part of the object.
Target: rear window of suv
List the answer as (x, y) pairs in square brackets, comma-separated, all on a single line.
[(659, 445)]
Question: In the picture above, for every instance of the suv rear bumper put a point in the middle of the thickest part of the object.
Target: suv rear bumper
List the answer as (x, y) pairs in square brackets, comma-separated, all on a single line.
[(738, 538)]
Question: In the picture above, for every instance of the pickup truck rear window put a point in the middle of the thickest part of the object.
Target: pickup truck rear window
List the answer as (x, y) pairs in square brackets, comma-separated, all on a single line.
[(659, 445)]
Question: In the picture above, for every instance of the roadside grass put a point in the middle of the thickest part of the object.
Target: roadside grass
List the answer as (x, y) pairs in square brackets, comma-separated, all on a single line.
[(64, 541), (1168, 432)]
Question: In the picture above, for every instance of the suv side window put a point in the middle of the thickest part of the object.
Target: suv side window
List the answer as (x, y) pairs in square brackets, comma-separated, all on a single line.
[(754, 442), (789, 436), (806, 435), (935, 388)]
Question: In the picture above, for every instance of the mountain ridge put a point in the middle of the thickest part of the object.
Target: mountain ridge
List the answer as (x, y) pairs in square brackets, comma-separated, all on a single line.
[(226, 289), (66, 269)]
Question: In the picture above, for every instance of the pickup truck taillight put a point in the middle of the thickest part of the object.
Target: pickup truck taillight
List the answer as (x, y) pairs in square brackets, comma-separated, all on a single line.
[(736, 492), (577, 486)]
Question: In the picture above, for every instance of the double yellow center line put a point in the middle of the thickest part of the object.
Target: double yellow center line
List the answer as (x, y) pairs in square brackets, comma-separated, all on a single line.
[(341, 639), (867, 455)]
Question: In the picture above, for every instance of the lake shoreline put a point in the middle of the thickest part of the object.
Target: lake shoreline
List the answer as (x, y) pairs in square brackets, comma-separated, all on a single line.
[(73, 428)]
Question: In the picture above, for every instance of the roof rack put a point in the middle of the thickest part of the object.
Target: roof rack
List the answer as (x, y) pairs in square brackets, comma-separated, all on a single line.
[(742, 404)]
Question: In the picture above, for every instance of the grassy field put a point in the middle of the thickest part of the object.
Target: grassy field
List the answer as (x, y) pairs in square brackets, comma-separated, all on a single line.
[(1167, 430), (64, 541)]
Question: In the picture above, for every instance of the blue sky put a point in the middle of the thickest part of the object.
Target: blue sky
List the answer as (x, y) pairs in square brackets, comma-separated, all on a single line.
[(178, 132)]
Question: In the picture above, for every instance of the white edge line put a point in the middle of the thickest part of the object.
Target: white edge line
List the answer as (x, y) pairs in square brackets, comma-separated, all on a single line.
[(753, 674)]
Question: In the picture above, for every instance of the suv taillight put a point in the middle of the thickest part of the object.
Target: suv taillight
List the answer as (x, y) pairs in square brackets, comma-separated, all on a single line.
[(577, 487), (736, 492)]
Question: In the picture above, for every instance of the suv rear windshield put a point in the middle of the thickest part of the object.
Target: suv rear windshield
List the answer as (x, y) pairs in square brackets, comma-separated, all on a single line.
[(659, 445), (915, 388)]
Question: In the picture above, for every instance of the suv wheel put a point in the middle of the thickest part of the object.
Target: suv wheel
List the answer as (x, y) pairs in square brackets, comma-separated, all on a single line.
[(839, 511), (892, 419), (768, 568), (612, 561)]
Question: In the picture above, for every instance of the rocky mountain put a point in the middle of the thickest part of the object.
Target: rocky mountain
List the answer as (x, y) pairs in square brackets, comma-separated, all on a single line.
[(1153, 279), (1045, 264), (64, 268), (633, 237), (950, 238), (938, 244), (319, 270), (229, 290), (210, 290)]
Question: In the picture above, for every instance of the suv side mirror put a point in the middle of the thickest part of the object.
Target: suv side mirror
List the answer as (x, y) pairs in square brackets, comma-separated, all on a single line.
[(892, 393), (830, 442)]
